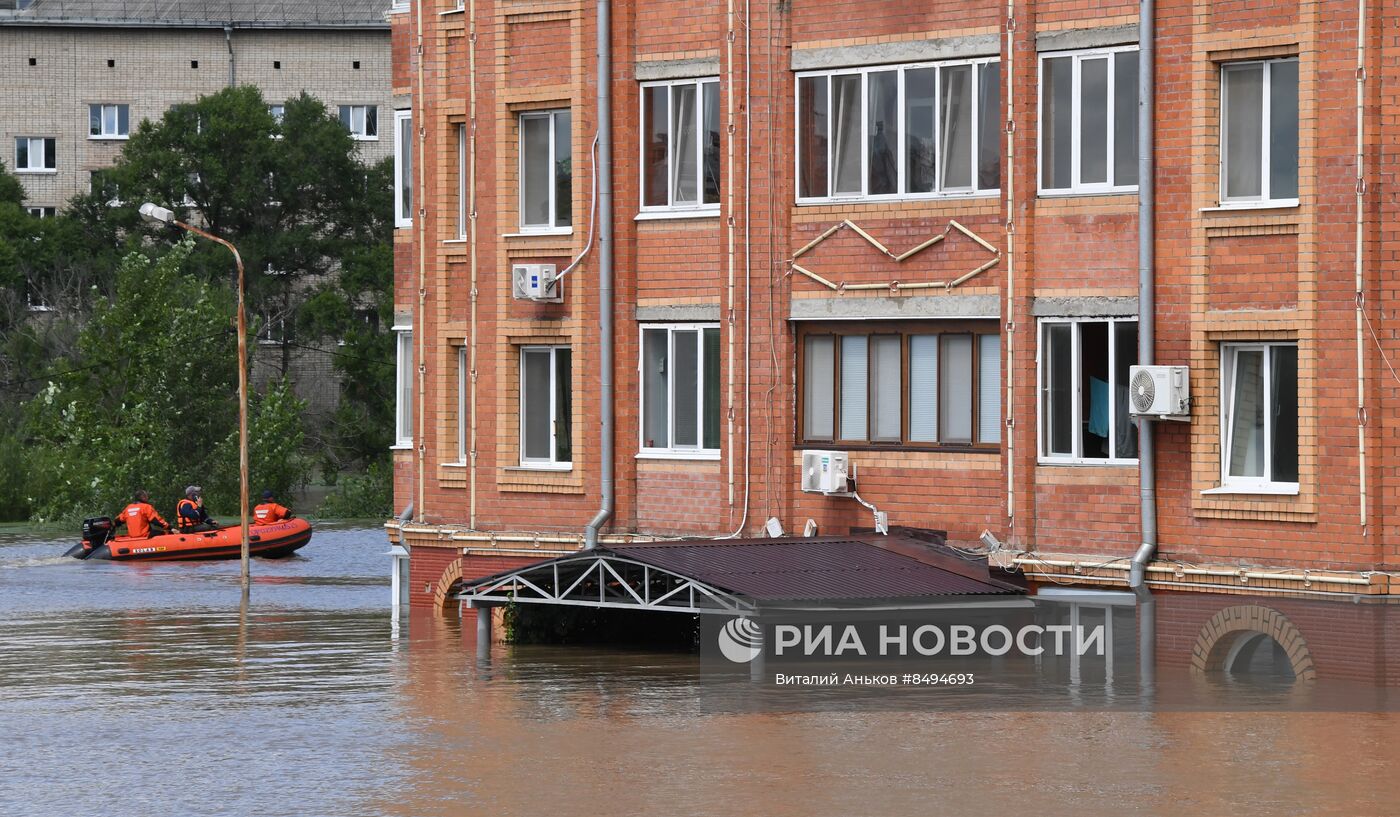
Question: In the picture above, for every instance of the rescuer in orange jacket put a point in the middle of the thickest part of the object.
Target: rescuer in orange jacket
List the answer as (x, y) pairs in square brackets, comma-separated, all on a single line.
[(269, 512), (139, 516), (190, 515)]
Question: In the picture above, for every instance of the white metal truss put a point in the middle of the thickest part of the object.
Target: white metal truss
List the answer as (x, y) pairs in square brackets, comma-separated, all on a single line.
[(606, 580)]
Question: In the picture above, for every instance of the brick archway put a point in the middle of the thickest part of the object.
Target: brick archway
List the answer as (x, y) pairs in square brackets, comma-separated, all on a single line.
[(443, 600), (1229, 627)]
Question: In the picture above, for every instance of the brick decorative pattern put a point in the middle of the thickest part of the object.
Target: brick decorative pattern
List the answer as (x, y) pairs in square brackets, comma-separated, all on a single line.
[(1229, 626)]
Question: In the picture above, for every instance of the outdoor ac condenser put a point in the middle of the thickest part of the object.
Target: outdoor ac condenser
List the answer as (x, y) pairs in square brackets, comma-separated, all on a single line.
[(535, 282), (1163, 392), (826, 472)]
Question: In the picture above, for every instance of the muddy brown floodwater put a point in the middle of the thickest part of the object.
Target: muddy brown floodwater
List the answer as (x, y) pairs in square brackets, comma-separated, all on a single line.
[(147, 690)]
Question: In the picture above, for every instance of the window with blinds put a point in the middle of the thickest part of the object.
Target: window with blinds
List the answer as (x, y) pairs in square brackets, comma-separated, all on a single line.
[(919, 385)]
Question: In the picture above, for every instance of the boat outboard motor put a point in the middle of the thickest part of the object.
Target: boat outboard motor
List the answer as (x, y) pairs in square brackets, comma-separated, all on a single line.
[(97, 531)]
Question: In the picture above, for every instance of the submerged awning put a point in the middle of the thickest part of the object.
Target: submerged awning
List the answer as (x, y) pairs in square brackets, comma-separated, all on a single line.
[(740, 576)]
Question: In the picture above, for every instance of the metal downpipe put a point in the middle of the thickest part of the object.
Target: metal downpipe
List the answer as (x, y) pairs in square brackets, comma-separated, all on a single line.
[(1147, 472), (605, 272)]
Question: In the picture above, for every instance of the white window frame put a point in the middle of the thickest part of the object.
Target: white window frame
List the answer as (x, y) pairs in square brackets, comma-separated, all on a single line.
[(116, 132), (278, 112), (44, 143), (1263, 199), (1249, 485), (671, 206), (1076, 457), (671, 450), (41, 211), (361, 135), (462, 173), (1076, 187), (552, 114), (864, 72), (403, 210), (542, 463), (403, 378), (463, 379)]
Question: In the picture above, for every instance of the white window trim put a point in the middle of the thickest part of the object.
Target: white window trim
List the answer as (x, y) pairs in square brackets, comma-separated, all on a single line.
[(1262, 201), (671, 452), (360, 136), (1042, 422), (541, 464), (41, 170), (463, 377), (1076, 188), (1247, 485), (976, 137), (551, 228), (462, 172), (402, 333), (671, 209), (103, 136), (401, 117)]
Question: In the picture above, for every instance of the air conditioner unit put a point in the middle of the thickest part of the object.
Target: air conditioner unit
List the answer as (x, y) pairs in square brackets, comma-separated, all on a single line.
[(1163, 392), (826, 472), (535, 282)]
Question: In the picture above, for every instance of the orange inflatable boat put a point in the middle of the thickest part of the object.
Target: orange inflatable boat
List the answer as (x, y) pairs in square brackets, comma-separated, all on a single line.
[(268, 541)]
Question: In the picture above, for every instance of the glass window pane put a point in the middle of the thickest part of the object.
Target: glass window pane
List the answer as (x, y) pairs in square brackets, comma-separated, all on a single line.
[(1057, 123), (123, 119), (684, 158), (371, 120), (50, 154), (1125, 118), (687, 384), (563, 170), (655, 399), (1125, 432), (95, 119), (1093, 121), (989, 127), (811, 137), (988, 388), (886, 388), (845, 95), (955, 389), (406, 168), (1094, 390), (1283, 130), (563, 406), (655, 142), (1058, 411), (109, 119), (1246, 455), (956, 125), (22, 152), (1283, 402), (923, 388), (711, 136), (534, 399), (712, 380), (1244, 113), (920, 99), (534, 168), (819, 387), (405, 412), (883, 132), (855, 386)]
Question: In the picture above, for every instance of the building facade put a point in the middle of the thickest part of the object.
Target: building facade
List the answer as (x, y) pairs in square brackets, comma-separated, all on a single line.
[(909, 233)]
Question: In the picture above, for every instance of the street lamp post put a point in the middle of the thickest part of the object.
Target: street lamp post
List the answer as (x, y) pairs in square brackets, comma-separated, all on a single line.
[(161, 215)]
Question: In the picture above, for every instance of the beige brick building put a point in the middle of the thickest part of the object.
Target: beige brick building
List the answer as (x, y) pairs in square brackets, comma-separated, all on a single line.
[(81, 74)]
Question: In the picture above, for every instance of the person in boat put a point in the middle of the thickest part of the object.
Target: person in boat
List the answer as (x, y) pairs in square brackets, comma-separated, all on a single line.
[(268, 512), (141, 517), (190, 514)]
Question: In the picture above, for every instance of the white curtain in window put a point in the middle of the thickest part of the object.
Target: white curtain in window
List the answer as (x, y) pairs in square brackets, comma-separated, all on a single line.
[(855, 386), (1247, 414), (819, 374), (955, 388), (886, 394), (956, 115), (685, 150), (923, 388), (846, 154), (989, 389)]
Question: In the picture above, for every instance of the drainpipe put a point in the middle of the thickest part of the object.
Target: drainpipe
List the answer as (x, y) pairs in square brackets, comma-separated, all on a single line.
[(232, 61), (1147, 475), (605, 271)]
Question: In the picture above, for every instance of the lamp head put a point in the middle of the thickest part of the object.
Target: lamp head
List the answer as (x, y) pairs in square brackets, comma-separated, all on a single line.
[(157, 214)]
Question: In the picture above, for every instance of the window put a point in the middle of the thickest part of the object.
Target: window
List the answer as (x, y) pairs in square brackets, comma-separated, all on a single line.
[(546, 405), (1259, 132), (1259, 390), (109, 121), (403, 410), (907, 131), (680, 145), (680, 389), (546, 171), (42, 212), (361, 120), (403, 168), (1084, 414), (463, 380), (462, 178), (35, 154), (101, 183), (920, 385), (277, 112), (273, 330), (1088, 121)]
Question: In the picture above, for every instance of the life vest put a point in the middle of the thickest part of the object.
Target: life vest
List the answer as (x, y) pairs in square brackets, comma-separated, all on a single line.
[(187, 514)]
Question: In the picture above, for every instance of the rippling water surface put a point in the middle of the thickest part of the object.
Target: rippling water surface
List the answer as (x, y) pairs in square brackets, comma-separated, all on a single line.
[(150, 690)]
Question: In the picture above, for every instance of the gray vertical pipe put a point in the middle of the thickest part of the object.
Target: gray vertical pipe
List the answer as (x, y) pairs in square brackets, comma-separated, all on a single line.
[(605, 271), (232, 60)]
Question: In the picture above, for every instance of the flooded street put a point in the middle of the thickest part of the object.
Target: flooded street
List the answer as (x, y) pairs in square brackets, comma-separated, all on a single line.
[(146, 690)]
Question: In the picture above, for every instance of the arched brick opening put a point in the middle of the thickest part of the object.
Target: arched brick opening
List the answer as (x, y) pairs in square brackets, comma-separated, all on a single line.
[(443, 600), (1228, 628)]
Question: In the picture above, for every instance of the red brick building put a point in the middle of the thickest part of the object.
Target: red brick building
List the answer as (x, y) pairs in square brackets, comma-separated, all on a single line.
[(908, 232)]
